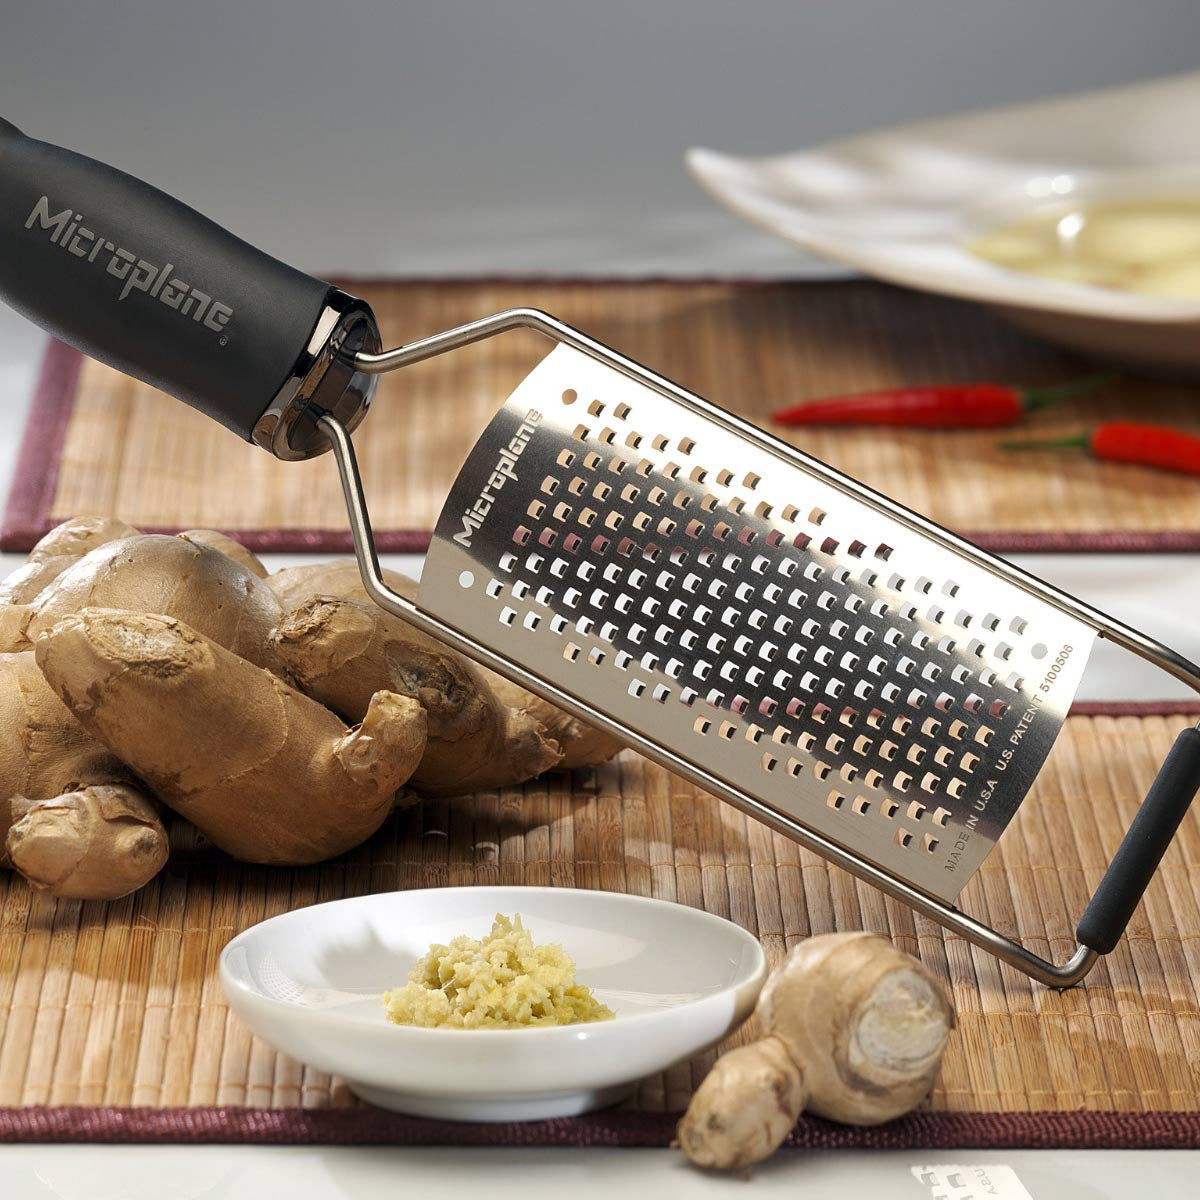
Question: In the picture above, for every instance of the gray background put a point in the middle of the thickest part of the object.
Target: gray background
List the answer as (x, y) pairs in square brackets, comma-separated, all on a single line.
[(466, 136)]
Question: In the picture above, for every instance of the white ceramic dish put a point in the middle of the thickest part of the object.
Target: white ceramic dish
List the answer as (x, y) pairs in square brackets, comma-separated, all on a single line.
[(904, 203), (310, 982)]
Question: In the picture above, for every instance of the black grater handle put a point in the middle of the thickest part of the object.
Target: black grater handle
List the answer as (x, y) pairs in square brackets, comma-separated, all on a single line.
[(129, 275), (1145, 843)]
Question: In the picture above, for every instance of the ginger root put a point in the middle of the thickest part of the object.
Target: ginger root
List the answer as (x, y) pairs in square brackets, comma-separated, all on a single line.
[(58, 550), (341, 652), (581, 745), (153, 573), (852, 1030), (77, 536), (23, 584), (267, 774), (73, 819), (227, 546), (96, 843)]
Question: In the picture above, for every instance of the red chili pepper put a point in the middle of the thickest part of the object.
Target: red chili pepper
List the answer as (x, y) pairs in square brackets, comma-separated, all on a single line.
[(953, 406), (1129, 442)]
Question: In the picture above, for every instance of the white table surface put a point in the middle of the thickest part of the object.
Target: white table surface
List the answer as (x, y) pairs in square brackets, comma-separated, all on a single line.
[(1158, 593)]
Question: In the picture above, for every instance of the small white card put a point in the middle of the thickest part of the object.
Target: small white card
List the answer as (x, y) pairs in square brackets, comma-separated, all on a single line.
[(971, 1181)]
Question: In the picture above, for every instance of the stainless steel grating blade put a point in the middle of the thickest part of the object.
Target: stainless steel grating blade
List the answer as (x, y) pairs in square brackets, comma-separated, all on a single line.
[(842, 668)]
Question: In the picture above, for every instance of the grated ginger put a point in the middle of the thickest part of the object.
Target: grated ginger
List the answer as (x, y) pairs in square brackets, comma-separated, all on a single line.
[(501, 982)]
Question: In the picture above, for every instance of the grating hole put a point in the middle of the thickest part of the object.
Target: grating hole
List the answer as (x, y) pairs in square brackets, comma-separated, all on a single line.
[(835, 799), (929, 842), (571, 652), (903, 837), (769, 762)]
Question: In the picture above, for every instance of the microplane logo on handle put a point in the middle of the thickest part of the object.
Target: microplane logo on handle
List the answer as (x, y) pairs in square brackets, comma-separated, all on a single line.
[(68, 232), (474, 516)]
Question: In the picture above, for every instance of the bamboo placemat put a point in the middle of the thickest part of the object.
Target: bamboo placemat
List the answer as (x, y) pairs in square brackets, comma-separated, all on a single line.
[(108, 1005), (99, 442)]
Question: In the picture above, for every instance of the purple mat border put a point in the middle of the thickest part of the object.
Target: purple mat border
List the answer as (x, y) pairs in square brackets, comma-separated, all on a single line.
[(619, 1128), (36, 476), (35, 480)]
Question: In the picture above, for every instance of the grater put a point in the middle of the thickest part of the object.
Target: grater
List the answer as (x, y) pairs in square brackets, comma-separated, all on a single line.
[(782, 636)]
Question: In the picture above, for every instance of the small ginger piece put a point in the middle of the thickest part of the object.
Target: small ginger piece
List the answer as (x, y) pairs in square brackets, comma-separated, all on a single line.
[(263, 771), (341, 652), (581, 744), (228, 546), (501, 981), (23, 584), (155, 573), (73, 819), (97, 843), (78, 536), (852, 1029)]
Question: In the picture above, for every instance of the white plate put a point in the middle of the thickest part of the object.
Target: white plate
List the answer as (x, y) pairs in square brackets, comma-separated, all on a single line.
[(310, 983), (903, 204)]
